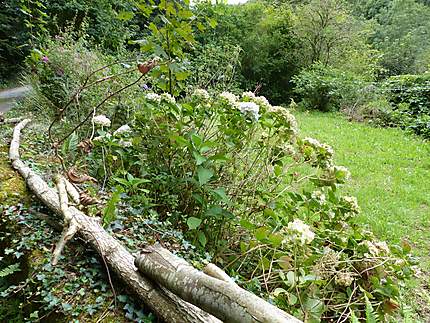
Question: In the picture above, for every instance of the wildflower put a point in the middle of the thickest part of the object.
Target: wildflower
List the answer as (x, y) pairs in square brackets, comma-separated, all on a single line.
[(374, 251), (248, 96), (286, 117), (262, 102), (319, 197), (250, 108), (382, 246), (168, 98), (340, 173), (45, 59), (344, 279), (100, 138), (201, 94), (311, 142), (351, 203), (300, 232), (325, 267), (122, 130), (125, 143), (228, 98), (153, 97), (101, 120), (145, 87)]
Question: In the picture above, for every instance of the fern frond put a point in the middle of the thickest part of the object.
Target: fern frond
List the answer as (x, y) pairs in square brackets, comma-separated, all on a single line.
[(9, 270)]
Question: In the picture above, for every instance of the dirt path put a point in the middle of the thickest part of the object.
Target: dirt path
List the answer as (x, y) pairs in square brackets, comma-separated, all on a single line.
[(9, 96)]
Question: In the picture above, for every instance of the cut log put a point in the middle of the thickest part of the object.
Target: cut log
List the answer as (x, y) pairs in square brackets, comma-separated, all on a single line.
[(218, 296), (163, 303)]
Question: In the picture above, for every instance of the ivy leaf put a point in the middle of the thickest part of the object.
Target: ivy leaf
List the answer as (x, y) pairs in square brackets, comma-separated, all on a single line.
[(125, 15), (204, 175), (202, 238), (193, 223)]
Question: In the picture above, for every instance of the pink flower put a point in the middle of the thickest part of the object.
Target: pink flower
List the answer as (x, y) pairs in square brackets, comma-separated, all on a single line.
[(45, 59)]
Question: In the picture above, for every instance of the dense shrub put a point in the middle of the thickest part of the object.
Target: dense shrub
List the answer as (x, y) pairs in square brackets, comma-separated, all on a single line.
[(410, 98), (327, 88), (234, 175)]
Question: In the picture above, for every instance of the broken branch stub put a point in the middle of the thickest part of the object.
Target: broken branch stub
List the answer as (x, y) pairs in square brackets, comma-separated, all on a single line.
[(220, 297)]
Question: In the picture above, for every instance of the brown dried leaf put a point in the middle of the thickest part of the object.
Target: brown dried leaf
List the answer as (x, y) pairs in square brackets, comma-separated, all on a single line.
[(78, 179), (86, 146), (147, 66), (86, 199)]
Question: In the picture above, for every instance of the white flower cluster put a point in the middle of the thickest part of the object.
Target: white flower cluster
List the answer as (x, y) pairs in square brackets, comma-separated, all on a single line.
[(261, 101), (101, 120), (229, 98), (250, 108), (325, 267), (352, 203), (319, 197), (168, 98), (153, 97), (344, 279), (201, 94), (341, 173), (125, 143), (375, 248), (287, 116), (299, 232), (319, 146), (122, 130)]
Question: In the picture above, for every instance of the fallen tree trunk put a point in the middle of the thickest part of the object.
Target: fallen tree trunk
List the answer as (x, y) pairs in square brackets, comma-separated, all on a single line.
[(216, 294), (163, 303), (9, 121)]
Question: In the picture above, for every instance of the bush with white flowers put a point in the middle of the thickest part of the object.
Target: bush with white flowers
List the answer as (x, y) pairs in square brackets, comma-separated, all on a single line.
[(233, 173)]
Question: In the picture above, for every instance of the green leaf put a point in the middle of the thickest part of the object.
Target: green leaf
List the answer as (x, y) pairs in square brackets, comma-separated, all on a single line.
[(199, 158), (180, 140), (125, 15), (109, 213), (370, 312), (275, 239), (9, 270), (212, 22), (180, 76), (246, 224), (193, 223), (204, 175), (354, 318), (291, 279), (279, 291), (261, 233), (202, 238), (221, 195)]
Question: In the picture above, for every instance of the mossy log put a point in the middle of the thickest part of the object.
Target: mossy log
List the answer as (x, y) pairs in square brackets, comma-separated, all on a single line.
[(166, 305)]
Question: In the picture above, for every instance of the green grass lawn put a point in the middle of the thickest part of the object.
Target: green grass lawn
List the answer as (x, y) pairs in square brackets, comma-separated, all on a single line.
[(390, 175)]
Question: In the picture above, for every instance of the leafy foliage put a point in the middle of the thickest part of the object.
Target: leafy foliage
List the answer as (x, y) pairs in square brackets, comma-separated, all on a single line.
[(234, 176), (410, 98)]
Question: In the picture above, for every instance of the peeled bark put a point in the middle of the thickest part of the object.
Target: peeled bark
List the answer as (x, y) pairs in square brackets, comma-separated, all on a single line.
[(218, 296), (164, 304)]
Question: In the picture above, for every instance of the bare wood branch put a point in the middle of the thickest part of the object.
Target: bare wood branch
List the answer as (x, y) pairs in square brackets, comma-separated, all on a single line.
[(10, 120), (216, 272), (225, 300), (70, 224), (164, 304)]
